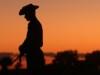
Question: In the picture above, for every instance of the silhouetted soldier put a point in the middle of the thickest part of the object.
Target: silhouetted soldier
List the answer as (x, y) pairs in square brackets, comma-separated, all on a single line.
[(34, 40)]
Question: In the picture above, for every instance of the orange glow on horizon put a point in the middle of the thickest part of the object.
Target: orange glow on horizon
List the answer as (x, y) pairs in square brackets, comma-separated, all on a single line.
[(66, 25)]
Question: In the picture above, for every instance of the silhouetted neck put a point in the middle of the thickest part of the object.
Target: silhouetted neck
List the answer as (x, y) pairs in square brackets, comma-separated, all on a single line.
[(33, 17)]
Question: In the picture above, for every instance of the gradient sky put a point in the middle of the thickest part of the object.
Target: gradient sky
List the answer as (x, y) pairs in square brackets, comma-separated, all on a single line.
[(67, 24)]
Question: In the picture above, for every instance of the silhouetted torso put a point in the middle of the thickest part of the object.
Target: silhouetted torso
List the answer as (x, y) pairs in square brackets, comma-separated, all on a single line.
[(35, 34)]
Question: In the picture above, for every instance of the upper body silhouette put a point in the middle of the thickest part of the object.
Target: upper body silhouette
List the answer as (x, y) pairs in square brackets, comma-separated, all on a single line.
[(34, 39), (34, 36)]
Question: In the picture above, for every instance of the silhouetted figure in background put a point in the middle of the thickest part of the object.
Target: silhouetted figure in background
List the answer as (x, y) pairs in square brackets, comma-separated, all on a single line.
[(31, 46)]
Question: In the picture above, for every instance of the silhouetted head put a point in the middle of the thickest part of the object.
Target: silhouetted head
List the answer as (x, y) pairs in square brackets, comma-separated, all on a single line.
[(28, 11)]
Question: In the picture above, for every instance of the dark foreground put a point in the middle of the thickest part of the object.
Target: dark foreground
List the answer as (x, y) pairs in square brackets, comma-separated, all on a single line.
[(64, 63), (58, 69)]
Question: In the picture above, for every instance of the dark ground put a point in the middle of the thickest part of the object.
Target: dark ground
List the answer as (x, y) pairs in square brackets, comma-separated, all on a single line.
[(65, 63)]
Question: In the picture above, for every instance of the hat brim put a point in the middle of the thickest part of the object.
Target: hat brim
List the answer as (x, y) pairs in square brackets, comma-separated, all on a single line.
[(28, 8), (36, 7)]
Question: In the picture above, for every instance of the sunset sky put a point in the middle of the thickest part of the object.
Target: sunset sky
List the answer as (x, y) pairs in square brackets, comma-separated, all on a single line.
[(67, 24)]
